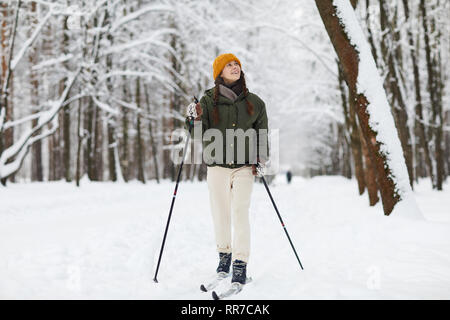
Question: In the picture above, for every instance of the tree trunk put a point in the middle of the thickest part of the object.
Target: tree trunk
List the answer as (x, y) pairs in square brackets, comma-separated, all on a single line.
[(447, 141), (436, 102), (346, 156), (6, 108), (352, 129), (370, 34), (419, 121), (398, 105), (36, 149), (66, 112), (369, 174), (111, 120), (139, 145), (67, 144), (125, 147), (89, 153), (80, 143), (349, 58), (152, 139), (98, 146), (111, 146)]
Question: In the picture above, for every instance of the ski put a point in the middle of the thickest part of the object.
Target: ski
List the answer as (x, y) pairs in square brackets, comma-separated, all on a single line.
[(234, 289), (215, 282)]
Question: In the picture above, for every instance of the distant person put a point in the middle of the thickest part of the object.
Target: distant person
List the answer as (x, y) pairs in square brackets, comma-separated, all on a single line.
[(289, 176)]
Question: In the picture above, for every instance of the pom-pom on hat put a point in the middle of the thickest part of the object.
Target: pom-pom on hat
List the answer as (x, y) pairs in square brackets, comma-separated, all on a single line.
[(221, 61)]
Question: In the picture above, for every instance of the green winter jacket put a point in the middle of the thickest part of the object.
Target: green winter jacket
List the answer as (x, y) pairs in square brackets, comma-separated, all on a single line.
[(233, 116)]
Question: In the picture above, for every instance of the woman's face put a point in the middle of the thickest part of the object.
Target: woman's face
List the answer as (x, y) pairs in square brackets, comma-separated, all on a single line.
[(231, 72)]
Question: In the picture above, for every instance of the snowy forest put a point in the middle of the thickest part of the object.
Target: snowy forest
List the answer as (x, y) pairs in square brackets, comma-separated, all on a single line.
[(93, 90)]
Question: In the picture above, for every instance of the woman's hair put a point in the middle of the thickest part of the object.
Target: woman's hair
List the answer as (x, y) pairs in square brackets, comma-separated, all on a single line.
[(219, 81)]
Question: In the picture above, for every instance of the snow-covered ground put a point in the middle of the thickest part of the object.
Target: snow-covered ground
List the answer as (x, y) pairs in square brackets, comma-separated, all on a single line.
[(101, 241)]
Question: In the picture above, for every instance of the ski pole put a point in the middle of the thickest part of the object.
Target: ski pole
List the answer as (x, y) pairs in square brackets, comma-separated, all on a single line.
[(278, 213), (191, 124)]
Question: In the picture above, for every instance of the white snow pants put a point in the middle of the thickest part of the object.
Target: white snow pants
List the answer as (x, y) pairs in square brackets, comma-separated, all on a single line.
[(229, 195)]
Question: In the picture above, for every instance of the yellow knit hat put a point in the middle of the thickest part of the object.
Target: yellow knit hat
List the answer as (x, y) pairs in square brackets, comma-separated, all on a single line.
[(221, 61)]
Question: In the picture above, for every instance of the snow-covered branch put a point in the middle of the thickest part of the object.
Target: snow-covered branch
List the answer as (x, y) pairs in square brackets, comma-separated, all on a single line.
[(53, 61), (104, 106), (12, 157), (291, 35), (153, 39), (11, 124), (138, 13), (29, 42)]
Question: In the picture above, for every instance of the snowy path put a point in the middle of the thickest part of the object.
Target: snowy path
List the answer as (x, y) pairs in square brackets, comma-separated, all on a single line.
[(101, 241)]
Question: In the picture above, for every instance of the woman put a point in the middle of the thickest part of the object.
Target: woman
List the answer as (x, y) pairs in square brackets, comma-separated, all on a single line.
[(229, 105)]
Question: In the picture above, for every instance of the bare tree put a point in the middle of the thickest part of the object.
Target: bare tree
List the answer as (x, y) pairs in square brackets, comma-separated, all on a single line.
[(152, 138), (389, 47), (6, 138), (434, 88), (66, 111), (140, 152), (36, 149), (419, 120)]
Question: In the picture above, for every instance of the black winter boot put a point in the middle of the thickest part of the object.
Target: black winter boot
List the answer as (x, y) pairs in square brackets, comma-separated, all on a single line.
[(239, 271), (224, 262)]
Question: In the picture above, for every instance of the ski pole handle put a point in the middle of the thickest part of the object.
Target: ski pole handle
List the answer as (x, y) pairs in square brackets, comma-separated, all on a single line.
[(192, 112)]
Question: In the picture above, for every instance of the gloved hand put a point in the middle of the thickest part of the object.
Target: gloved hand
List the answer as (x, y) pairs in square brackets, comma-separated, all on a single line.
[(195, 110), (260, 162), (199, 111)]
